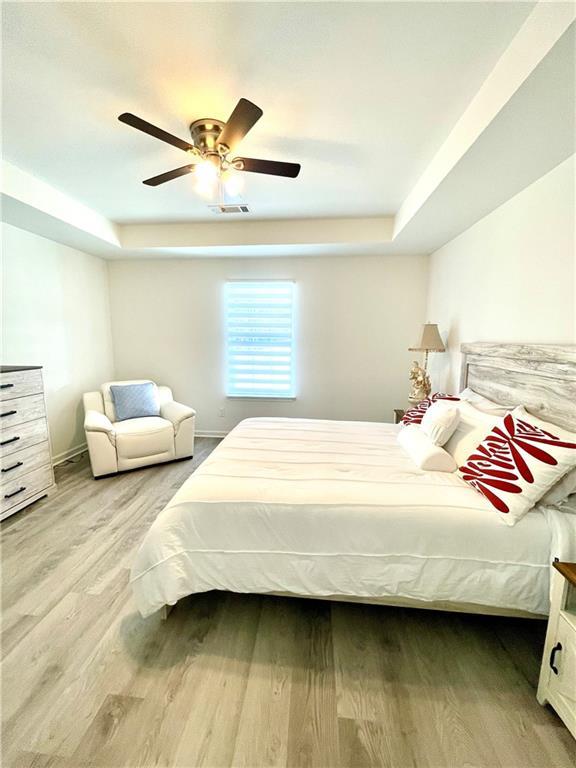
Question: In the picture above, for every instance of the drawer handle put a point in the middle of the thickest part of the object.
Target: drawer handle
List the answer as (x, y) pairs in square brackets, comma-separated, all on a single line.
[(6, 386), (553, 652), (8, 413), (14, 493), (14, 466), (11, 440)]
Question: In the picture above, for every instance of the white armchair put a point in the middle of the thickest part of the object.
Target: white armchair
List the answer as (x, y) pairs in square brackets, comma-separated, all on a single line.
[(115, 446)]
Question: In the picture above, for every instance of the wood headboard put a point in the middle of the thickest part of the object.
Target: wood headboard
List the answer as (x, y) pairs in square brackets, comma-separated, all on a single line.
[(541, 377)]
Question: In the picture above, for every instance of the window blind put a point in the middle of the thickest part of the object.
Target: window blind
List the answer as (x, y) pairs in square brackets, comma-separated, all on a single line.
[(260, 339)]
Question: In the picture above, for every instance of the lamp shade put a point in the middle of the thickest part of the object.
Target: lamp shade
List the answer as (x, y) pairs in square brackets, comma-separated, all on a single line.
[(431, 341)]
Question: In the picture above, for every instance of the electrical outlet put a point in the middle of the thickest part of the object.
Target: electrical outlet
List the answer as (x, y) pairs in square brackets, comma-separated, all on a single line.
[(221, 412)]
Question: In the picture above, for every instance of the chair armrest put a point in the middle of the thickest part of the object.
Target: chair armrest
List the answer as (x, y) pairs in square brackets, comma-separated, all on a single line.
[(176, 412), (94, 421)]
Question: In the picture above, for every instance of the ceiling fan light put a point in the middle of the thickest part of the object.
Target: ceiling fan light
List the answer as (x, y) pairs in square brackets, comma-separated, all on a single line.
[(206, 178), (205, 189), (206, 172), (233, 183)]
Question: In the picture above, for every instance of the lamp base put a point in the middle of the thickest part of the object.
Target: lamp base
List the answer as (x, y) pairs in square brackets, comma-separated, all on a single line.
[(420, 383)]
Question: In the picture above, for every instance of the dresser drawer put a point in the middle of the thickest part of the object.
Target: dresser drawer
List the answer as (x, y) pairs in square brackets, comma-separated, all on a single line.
[(21, 409), (20, 383), (22, 436), (16, 491), (20, 462)]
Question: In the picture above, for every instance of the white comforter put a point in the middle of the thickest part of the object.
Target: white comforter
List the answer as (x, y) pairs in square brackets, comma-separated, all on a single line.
[(337, 508)]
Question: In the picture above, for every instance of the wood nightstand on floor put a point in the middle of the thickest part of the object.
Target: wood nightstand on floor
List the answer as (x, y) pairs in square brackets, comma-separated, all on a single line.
[(557, 684), (398, 415)]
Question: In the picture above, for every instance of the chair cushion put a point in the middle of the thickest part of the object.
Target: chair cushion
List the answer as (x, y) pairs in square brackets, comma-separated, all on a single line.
[(147, 436), (132, 401)]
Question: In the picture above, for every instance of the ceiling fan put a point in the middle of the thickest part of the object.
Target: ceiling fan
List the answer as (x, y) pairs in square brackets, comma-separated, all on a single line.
[(211, 148)]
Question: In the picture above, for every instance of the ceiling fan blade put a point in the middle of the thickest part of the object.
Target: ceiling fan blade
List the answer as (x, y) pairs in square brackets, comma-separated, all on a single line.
[(168, 176), (273, 167), (244, 116), (152, 130)]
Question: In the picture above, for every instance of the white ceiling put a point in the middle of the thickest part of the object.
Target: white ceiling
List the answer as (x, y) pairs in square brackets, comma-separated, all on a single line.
[(363, 95), (533, 133)]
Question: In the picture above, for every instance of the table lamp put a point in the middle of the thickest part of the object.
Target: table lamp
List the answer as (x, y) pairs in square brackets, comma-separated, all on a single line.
[(430, 341)]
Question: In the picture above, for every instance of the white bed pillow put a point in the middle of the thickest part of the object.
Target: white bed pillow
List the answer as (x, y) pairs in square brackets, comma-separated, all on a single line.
[(440, 421), (483, 403), (560, 491), (423, 452), (521, 459), (472, 428), (414, 415)]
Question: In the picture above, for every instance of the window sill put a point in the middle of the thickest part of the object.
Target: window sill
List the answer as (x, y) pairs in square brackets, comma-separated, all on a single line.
[(258, 398)]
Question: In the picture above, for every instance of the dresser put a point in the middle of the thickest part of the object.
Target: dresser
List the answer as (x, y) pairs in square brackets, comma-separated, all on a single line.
[(26, 472)]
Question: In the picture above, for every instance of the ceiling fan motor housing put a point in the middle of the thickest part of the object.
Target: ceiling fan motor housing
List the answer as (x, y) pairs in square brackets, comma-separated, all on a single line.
[(205, 133)]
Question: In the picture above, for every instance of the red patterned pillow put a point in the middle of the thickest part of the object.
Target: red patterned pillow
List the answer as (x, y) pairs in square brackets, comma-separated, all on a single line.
[(518, 461), (414, 415)]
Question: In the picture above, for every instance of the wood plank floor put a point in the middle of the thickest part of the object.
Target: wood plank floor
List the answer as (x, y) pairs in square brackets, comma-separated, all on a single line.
[(241, 680)]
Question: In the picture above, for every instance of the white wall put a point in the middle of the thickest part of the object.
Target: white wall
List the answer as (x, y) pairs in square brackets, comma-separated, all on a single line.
[(357, 316), (55, 313), (511, 277)]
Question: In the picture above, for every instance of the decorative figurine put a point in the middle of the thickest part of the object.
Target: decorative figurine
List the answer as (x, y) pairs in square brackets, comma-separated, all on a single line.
[(420, 383)]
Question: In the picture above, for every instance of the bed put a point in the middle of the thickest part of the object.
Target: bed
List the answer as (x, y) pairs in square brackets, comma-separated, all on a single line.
[(337, 510)]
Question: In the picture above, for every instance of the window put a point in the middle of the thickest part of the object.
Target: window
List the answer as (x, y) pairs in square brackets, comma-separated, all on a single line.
[(259, 339)]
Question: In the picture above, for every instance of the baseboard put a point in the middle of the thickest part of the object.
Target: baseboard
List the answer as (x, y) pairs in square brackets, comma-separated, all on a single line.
[(212, 433), (60, 458)]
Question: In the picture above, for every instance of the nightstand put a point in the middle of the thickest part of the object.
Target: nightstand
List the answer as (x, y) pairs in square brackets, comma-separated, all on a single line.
[(557, 684), (398, 415)]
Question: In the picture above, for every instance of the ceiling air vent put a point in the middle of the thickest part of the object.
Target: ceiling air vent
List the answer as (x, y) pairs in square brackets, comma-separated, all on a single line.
[(229, 209)]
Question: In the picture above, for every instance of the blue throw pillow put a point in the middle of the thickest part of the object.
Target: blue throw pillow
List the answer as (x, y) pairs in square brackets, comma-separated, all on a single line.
[(131, 401)]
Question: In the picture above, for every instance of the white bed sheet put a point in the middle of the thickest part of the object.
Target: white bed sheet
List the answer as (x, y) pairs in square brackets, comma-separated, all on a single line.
[(337, 508)]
